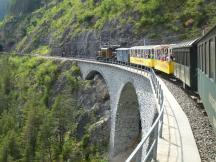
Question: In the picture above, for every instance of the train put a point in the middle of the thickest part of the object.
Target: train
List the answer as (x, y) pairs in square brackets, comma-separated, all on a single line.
[(193, 62)]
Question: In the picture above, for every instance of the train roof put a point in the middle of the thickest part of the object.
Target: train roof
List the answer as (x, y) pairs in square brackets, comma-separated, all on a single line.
[(164, 45), (209, 33), (144, 47), (112, 47), (185, 44), (122, 49)]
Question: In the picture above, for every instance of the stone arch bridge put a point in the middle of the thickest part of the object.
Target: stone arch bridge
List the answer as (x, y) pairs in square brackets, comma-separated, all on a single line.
[(132, 102)]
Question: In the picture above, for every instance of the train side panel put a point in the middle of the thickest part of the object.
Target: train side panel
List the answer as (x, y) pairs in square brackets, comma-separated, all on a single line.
[(164, 66), (207, 92), (123, 55), (142, 61), (207, 73)]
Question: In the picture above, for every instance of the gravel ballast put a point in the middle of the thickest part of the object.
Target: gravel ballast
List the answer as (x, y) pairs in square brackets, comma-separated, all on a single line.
[(203, 132)]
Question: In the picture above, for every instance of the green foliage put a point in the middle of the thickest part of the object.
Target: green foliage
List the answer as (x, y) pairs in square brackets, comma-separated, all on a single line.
[(75, 70), (36, 122), (43, 50), (10, 147), (49, 23)]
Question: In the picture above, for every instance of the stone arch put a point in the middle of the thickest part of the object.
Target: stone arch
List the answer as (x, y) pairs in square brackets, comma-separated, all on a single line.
[(128, 128), (99, 78), (90, 75)]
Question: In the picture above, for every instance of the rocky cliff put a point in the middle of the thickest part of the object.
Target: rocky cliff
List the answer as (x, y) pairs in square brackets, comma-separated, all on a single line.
[(78, 28)]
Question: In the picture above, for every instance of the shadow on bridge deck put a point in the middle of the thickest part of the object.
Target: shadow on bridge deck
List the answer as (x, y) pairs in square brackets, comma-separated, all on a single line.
[(178, 143)]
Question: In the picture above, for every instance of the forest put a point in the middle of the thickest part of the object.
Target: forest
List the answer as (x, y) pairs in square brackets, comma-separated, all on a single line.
[(38, 124)]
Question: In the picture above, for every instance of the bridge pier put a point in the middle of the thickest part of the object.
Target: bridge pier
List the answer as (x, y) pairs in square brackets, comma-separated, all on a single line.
[(127, 123)]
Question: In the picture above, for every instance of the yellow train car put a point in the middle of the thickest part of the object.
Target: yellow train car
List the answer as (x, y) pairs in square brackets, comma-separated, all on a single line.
[(143, 55), (163, 60), (164, 66)]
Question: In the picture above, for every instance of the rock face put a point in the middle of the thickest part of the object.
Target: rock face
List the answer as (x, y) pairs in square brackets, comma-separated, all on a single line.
[(86, 44), (95, 96), (95, 99)]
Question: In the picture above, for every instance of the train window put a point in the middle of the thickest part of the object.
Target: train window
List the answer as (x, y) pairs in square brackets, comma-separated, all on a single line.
[(204, 58), (207, 58), (180, 54), (157, 54), (151, 54), (198, 56), (132, 53), (166, 51), (189, 55), (211, 59), (185, 58), (175, 55), (181, 57), (188, 58), (141, 53), (200, 59)]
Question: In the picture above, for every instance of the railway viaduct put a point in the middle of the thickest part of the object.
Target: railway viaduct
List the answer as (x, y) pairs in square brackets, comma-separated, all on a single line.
[(132, 102)]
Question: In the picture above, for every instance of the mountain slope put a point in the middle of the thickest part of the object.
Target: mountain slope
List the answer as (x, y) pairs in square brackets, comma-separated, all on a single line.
[(79, 27)]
